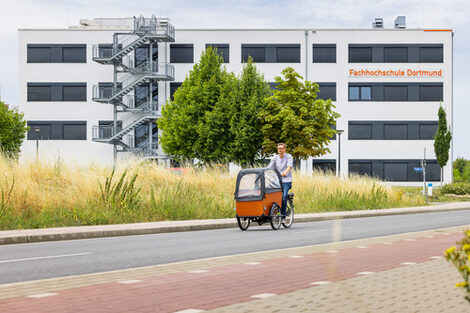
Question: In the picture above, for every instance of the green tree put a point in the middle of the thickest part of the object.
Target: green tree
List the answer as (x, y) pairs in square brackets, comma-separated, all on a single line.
[(196, 124), (12, 130), (245, 123), (296, 117), (442, 140)]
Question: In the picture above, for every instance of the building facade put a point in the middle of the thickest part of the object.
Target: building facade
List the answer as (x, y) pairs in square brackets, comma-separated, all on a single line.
[(387, 84)]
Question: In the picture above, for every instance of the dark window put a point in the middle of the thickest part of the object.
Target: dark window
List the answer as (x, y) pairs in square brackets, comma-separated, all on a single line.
[(360, 55), (141, 134), (57, 130), (257, 53), (105, 90), (105, 50), (427, 131), (430, 93), (360, 93), (396, 171), (39, 93), (222, 49), (395, 93), (74, 55), (433, 171), (181, 53), (327, 91), (74, 131), (39, 55), (173, 88), (74, 93), (395, 54), (360, 168), (431, 54), (360, 131), (106, 129), (324, 53), (395, 131), (324, 165), (288, 54), (44, 131)]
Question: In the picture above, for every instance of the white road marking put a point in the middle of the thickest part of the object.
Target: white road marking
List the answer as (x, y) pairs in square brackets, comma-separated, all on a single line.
[(388, 243), (320, 283), (198, 271), (410, 239), (362, 247), (408, 263), (365, 273), (295, 256), (263, 295), (436, 257), (133, 281), (42, 295), (253, 263), (44, 257), (430, 236), (332, 251), (190, 311)]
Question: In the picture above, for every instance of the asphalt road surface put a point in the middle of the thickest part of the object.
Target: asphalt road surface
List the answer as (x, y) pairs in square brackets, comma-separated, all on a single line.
[(24, 262)]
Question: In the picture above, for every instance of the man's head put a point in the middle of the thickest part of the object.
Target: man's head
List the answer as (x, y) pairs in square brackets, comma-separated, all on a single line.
[(281, 149)]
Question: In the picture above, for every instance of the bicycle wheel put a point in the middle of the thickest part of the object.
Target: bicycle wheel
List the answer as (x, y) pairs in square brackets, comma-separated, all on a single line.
[(243, 222), (275, 217), (289, 214)]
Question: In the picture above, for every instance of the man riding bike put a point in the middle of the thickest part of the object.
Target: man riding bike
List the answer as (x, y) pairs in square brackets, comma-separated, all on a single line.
[(283, 162)]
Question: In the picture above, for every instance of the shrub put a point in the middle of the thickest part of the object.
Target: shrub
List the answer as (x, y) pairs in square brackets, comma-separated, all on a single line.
[(456, 189), (460, 257)]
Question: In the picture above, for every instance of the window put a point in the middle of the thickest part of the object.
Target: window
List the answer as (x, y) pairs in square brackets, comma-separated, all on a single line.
[(105, 50), (257, 53), (142, 94), (395, 93), (57, 130), (74, 55), (431, 54), (271, 53), (74, 93), (39, 55), (288, 54), (395, 171), (106, 128), (181, 53), (360, 131), (360, 55), (430, 93), (141, 134), (74, 131), (39, 92), (222, 49), (327, 91), (324, 53), (173, 88), (43, 133), (395, 131), (427, 131), (359, 93), (56, 53), (395, 54), (56, 91), (324, 165)]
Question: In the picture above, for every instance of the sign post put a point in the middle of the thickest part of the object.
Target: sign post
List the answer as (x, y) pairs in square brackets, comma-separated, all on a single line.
[(423, 165)]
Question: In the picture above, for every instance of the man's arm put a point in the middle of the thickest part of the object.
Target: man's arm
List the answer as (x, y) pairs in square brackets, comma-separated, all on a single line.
[(290, 165)]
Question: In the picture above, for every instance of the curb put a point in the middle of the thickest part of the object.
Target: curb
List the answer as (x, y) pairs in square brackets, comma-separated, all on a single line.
[(87, 232)]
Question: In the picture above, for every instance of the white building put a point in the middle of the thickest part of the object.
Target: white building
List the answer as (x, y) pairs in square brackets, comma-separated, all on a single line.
[(387, 84)]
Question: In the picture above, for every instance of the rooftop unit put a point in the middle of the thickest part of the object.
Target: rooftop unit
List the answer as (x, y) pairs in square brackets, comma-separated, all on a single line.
[(379, 23), (400, 22)]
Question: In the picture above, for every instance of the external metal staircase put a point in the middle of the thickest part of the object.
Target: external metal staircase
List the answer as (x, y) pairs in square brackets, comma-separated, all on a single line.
[(128, 76)]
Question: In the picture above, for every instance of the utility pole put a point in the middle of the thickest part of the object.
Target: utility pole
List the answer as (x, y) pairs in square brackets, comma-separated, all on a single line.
[(423, 165)]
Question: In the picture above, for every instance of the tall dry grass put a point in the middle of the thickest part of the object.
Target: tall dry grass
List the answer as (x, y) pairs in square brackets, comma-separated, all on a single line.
[(49, 194)]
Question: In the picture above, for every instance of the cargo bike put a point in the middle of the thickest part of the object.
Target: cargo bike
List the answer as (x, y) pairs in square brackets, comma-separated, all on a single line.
[(258, 196)]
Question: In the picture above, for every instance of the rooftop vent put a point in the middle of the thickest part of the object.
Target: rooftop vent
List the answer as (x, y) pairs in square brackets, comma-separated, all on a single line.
[(400, 22), (379, 23)]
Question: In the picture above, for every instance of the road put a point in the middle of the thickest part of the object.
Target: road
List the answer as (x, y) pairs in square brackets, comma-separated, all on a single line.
[(25, 262)]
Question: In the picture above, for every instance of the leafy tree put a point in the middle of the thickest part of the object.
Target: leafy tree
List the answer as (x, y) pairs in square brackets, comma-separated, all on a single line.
[(245, 123), (295, 116), (196, 124), (12, 130), (442, 140)]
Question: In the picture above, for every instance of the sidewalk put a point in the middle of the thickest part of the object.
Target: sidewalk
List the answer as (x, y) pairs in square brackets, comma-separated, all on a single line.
[(83, 232), (397, 273)]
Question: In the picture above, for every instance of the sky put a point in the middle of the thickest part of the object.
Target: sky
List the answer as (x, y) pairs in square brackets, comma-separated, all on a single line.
[(454, 14)]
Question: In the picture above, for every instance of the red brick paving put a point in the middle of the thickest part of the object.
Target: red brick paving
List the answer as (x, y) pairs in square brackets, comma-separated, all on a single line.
[(231, 284)]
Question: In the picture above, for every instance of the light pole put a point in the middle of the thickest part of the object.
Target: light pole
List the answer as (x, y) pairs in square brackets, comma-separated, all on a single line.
[(37, 130), (339, 132)]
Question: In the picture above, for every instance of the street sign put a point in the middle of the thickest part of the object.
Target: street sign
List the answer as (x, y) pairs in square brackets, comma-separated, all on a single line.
[(418, 169)]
